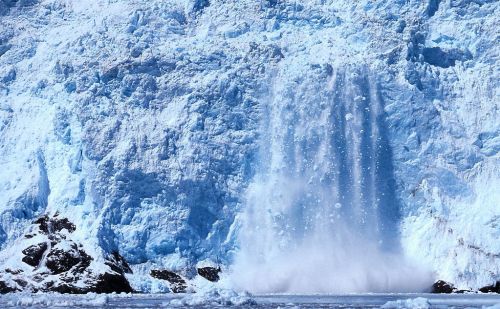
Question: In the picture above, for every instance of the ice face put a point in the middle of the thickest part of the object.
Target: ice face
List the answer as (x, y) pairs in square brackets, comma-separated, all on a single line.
[(157, 126)]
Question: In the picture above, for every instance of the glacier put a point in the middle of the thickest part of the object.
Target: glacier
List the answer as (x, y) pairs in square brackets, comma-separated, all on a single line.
[(161, 129)]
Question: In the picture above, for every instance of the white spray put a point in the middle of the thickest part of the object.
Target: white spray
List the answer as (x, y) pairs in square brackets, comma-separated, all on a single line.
[(322, 215)]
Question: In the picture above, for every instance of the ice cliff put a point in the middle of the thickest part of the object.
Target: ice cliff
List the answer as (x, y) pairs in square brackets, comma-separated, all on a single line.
[(147, 124)]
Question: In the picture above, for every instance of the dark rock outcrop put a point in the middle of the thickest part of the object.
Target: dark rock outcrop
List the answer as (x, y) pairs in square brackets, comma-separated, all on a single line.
[(494, 288), (109, 283), (118, 264), (209, 273), (33, 254), (64, 289), (61, 224), (4, 288), (14, 272), (59, 260), (52, 225), (103, 283), (442, 287), (66, 264), (177, 283), (43, 224)]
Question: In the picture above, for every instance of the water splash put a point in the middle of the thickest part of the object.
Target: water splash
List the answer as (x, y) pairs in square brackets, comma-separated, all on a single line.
[(322, 214)]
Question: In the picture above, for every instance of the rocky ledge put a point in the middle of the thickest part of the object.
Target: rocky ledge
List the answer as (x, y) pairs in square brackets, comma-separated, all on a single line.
[(53, 261), (210, 273), (443, 287), (178, 283)]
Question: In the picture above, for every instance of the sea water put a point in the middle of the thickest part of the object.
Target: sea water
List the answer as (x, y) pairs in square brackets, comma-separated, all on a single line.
[(260, 301)]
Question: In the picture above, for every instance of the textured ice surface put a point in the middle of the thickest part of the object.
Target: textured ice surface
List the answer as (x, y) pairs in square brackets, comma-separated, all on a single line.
[(143, 121)]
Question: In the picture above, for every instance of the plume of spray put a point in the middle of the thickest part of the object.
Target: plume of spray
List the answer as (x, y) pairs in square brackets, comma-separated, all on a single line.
[(321, 214)]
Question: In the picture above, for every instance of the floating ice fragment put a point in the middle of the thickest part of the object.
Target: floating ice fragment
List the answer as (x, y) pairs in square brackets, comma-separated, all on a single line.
[(415, 303)]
